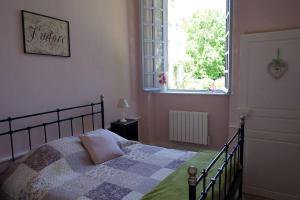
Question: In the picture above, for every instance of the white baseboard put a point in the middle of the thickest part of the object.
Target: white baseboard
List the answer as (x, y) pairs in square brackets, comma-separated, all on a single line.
[(17, 155), (268, 194)]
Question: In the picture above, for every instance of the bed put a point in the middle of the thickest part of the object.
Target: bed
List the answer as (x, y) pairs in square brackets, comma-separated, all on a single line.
[(62, 168)]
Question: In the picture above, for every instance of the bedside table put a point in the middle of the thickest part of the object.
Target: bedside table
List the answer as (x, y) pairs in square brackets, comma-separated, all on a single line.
[(128, 129)]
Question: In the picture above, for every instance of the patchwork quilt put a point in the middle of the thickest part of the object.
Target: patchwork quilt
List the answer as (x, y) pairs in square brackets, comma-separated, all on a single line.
[(62, 169)]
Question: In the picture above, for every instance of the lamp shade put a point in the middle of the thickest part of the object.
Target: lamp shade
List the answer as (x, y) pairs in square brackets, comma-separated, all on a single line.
[(123, 103)]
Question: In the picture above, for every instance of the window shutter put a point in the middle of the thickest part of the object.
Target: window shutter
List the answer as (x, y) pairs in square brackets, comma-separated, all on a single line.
[(228, 45), (154, 41)]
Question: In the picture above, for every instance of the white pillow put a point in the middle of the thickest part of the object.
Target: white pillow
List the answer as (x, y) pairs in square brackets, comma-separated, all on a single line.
[(105, 131), (101, 147)]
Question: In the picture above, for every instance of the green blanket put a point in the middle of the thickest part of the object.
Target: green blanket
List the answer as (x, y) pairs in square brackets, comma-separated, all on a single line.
[(175, 186)]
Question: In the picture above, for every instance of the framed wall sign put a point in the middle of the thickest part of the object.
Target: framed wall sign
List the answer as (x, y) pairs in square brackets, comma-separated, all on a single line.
[(45, 35)]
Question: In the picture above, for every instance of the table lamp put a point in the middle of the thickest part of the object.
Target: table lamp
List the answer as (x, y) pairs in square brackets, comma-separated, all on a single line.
[(123, 104)]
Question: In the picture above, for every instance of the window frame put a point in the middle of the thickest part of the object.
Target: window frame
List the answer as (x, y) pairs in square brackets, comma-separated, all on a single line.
[(229, 30), (164, 41), (228, 52)]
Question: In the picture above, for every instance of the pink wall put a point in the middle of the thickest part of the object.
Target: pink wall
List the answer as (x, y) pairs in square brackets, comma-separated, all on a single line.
[(258, 16), (103, 58)]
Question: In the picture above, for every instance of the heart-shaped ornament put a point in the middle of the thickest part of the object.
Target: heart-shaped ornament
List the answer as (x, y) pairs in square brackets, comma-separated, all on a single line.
[(277, 69)]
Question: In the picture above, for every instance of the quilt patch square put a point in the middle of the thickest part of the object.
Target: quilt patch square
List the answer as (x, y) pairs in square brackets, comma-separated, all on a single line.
[(59, 193), (57, 173), (134, 147), (137, 155), (170, 153), (21, 177), (143, 169), (175, 164), (102, 172), (42, 157), (127, 179), (147, 186), (157, 160), (162, 174), (36, 188), (80, 161), (108, 191), (121, 163), (81, 185), (67, 145), (150, 149)]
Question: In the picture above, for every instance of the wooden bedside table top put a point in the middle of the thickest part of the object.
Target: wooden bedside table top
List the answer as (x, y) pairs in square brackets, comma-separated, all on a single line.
[(129, 121)]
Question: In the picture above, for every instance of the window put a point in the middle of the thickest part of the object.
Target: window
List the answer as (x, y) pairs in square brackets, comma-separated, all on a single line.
[(170, 35)]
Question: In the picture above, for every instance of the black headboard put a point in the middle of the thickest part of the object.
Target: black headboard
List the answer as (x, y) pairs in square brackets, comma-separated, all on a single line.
[(93, 110)]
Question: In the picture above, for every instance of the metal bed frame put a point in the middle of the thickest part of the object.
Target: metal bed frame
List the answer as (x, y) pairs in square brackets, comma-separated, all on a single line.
[(232, 183), (9, 122), (235, 154)]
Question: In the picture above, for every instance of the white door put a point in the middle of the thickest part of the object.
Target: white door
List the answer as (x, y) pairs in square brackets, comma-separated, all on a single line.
[(272, 135)]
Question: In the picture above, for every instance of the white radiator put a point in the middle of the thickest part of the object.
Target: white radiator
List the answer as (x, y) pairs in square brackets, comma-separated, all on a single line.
[(187, 126)]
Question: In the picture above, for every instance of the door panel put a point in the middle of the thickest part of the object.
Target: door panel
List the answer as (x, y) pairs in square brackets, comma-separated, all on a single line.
[(271, 164), (272, 134)]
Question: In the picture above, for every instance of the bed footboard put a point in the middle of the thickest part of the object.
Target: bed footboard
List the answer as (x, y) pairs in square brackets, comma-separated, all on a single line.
[(227, 182)]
